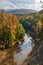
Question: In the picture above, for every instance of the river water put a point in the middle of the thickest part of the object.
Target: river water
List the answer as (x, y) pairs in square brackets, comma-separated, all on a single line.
[(26, 48), (17, 54)]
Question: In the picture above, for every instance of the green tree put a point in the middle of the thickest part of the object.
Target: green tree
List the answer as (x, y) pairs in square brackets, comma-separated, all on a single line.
[(20, 32), (6, 37)]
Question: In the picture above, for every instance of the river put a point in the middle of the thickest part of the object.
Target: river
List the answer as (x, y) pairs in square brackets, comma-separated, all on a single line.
[(20, 53)]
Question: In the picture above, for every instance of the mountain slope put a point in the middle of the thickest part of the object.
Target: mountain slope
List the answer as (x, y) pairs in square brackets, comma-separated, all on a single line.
[(21, 11), (41, 11)]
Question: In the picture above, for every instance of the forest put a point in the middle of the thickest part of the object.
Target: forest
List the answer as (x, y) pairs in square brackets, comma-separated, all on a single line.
[(10, 30), (13, 29), (33, 24)]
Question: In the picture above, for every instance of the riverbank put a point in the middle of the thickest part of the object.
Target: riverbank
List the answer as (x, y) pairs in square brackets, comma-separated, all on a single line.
[(17, 53), (6, 57), (36, 56)]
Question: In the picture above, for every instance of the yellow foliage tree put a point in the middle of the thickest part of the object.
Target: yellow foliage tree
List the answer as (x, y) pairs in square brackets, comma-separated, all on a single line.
[(10, 21), (38, 26)]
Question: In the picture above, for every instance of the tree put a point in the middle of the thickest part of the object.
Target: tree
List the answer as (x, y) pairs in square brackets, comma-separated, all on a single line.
[(6, 37), (38, 26), (8, 23), (20, 32)]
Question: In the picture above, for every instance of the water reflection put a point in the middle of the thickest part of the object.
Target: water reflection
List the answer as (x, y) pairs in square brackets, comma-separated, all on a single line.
[(26, 49)]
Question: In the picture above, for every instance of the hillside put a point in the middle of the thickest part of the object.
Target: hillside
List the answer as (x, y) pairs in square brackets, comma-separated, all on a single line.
[(21, 11), (41, 11)]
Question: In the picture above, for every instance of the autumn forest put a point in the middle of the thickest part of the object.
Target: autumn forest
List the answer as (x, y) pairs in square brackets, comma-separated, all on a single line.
[(12, 32)]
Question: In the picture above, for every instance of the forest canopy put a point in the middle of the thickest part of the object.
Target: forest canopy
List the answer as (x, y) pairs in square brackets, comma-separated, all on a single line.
[(10, 29), (14, 27)]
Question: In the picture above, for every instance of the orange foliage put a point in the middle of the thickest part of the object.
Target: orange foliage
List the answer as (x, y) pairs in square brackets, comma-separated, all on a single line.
[(8, 20)]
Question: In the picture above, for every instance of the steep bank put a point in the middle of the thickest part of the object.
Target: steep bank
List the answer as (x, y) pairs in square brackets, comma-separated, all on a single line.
[(36, 56)]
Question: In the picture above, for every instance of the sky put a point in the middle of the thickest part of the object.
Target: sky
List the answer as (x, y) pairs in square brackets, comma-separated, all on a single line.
[(21, 4)]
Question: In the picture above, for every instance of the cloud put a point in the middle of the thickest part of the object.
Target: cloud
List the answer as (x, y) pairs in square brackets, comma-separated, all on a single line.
[(38, 0), (35, 6), (22, 1), (29, 4), (7, 5)]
